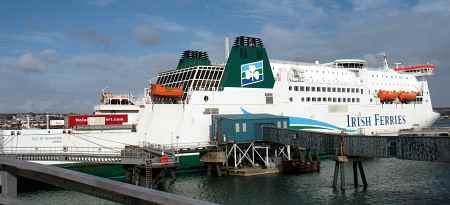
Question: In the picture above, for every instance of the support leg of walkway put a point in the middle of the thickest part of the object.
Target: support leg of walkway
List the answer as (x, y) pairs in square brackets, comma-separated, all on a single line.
[(363, 176), (336, 174), (209, 170), (342, 176), (355, 173), (219, 172), (8, 183)]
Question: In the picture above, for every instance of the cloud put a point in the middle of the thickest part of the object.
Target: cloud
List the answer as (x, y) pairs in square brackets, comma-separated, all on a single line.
[(412, 35), (93, 37), (101, 3), (160, 23), (29, 62), (146, 35), (33, 37), (74, 81), (433, 6), (149, 29)]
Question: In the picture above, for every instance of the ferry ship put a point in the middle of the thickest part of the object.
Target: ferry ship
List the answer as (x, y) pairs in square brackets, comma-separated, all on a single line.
[(343, 96)]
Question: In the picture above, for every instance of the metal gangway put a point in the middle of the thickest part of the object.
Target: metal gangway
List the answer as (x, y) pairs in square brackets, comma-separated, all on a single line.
[(405, 147), (132, 155)]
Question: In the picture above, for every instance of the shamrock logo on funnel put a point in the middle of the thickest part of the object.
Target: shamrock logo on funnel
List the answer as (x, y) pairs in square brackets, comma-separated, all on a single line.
[(252, 73)]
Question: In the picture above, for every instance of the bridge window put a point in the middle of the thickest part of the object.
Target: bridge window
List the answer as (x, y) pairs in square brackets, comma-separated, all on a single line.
[(236, 127), (244, 127), (278, 124), (285, 125)]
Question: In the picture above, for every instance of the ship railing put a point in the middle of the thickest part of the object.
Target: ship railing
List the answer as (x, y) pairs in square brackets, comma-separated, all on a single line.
[(63, 150), (175, 147)]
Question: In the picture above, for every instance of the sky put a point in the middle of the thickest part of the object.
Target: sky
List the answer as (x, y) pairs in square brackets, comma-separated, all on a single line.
[(56, 56)]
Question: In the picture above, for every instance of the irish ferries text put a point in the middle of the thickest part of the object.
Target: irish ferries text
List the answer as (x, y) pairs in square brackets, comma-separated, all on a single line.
[(375, 120)]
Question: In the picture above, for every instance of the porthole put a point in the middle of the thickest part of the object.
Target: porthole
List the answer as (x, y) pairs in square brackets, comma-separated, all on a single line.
[(206, 98)]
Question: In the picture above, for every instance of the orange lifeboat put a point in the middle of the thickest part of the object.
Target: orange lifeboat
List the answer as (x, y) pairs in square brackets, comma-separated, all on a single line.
[(387, 96), (161, 91), (407, 96)]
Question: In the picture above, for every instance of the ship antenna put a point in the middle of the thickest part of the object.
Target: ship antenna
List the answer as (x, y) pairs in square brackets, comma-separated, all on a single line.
[(386, 64)]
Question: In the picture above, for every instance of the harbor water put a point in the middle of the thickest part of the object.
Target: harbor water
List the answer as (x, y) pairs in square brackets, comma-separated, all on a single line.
[(391, 181)]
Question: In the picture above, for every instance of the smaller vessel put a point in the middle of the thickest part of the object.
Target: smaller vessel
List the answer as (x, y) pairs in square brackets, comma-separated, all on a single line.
[(387, 96), (407, 96), (162, 91)]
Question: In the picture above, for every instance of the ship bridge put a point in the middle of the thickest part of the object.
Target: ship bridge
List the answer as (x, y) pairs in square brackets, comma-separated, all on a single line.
[(351, 64)]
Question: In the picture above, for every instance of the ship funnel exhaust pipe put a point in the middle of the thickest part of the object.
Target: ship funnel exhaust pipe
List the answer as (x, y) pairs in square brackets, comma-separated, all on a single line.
[(227, 48)]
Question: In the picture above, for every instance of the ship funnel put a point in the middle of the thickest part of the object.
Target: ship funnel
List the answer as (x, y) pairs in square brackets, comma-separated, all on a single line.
[(191, 58), (248, 65)]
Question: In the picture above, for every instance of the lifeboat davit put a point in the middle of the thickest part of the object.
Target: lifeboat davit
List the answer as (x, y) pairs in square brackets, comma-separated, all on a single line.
[(161, 91), (407, 96), (387, 96)]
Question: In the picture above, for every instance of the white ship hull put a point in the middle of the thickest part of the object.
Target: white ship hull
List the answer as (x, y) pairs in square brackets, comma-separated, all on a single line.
[(315, 97)]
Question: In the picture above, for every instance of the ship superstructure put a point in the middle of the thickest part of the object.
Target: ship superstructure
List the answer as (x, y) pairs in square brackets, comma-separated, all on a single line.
[(344, 96)]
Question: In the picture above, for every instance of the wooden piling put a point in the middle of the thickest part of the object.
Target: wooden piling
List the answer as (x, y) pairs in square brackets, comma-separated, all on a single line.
[(355, 173), (363, 176)]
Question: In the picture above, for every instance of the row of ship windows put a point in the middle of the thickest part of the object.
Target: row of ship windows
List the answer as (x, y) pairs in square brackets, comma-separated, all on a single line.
[(391, 76), (326, 89), (329, 99)]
